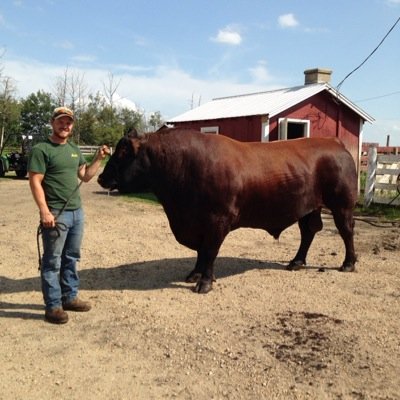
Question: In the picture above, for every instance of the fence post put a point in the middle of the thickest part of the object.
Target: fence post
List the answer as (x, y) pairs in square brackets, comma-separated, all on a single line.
[(371, 175)]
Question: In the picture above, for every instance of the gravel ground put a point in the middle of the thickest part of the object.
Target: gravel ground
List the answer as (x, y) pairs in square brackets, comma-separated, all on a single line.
[(261, 333)]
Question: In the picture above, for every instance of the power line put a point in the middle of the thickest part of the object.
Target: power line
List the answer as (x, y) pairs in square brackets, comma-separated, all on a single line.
[(378, 97), (376, 48)]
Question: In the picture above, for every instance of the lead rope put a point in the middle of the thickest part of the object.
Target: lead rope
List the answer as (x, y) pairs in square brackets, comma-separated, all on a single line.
[(59, 226)]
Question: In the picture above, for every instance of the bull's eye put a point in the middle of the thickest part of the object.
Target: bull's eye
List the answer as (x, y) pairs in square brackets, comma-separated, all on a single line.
[(121, 154)]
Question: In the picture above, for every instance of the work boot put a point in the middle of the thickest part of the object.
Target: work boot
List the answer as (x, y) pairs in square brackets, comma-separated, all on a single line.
[(56, 316), (77, 305)]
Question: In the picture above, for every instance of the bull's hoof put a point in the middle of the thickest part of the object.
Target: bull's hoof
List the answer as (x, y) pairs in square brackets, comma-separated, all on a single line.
[(193, 277), (295, 265), (203, 287), (347, 267)]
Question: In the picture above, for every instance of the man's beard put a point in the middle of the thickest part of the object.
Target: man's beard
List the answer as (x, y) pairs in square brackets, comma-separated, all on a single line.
[(61, 134)]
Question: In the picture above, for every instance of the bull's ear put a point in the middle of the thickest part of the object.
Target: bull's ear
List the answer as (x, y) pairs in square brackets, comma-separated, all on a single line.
[(132, 134), (136, 143)]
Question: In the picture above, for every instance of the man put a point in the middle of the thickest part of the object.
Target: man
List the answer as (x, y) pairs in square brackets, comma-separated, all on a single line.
[(54, 167)]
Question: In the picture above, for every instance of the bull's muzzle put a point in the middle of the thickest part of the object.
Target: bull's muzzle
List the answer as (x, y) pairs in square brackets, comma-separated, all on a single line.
[(106, 185)]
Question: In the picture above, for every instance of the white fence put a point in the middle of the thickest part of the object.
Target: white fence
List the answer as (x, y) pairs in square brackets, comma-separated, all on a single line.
[(89, 150), (383, 178)]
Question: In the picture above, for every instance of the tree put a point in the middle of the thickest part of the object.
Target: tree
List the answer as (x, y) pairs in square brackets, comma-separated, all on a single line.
[(60, 89), (96, 124), (9, 112), (77, 93), (36, 113), (131, 119), (70, 90), (156, 120), (110, 88)]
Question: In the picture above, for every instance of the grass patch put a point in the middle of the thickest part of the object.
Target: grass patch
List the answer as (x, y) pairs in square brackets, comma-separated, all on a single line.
[(383, 211), (144, 197)]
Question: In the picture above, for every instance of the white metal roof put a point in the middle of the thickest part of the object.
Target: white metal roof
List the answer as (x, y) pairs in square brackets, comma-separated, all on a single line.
[(268, 103)]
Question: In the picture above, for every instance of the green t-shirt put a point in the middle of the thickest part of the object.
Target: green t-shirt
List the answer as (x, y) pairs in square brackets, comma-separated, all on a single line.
[(59, 163)]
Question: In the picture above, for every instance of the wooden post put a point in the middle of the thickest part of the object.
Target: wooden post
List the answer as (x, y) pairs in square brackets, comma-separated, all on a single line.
[(2, 137), (371, 175)]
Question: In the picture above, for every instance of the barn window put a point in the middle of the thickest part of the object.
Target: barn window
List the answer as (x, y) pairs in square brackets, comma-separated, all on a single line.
[(210, 129), (290, 128)]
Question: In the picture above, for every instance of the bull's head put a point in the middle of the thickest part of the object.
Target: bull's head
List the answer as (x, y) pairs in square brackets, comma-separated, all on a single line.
[(126, 168)]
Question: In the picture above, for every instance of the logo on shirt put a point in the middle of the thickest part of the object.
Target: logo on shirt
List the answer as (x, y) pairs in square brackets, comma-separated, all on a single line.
[(74, 155)]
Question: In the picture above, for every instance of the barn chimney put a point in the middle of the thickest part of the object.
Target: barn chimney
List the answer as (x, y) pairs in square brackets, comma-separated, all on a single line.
[(317, 75)]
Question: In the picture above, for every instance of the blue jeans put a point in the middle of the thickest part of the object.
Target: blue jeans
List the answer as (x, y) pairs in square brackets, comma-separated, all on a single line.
[(61, 252)]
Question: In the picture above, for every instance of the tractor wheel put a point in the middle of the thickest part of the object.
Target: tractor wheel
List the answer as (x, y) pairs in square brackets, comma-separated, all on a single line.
[(21, 173)]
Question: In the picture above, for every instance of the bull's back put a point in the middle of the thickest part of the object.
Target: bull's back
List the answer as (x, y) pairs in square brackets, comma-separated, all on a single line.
[(283, 181), (319, 160)]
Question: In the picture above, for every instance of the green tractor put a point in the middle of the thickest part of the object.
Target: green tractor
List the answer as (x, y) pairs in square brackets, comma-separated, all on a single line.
[(17, 161)]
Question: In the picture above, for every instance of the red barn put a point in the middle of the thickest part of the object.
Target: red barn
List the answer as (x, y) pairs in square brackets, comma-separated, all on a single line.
[(314, 109)]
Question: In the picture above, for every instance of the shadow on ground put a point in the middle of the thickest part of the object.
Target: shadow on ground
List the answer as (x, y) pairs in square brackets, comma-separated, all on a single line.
[(149, 275)]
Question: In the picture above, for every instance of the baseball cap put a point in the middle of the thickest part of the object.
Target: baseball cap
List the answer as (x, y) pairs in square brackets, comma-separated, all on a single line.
[(62, 112)]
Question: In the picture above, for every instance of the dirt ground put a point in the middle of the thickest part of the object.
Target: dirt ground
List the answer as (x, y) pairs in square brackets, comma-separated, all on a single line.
[(261, 333)]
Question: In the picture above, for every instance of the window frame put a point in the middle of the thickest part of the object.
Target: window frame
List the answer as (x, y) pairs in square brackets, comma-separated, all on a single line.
[(283, 127)]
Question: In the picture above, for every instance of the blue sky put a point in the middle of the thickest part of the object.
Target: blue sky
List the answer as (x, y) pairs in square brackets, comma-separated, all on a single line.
[(170, 55)]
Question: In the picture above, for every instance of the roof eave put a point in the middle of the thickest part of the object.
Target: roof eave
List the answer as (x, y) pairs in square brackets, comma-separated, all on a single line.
[(343, 99)]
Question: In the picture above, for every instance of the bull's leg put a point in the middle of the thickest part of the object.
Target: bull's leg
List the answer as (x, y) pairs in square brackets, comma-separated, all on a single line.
[(309, 225), (344, 222), (203, 273), (194, 275)]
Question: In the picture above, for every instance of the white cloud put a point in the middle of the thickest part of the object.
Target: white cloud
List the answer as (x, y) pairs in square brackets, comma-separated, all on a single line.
[(31, 76), (228, 35), (287, 21), (84, 58), (162, 88), (132, 68), (66, 45), (260, 73), (125, 103)]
